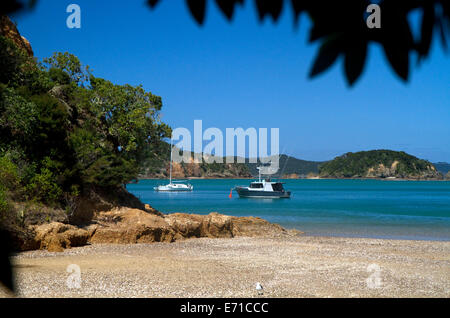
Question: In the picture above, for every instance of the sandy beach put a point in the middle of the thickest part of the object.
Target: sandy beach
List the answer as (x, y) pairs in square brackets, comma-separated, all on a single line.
[(299, 266)]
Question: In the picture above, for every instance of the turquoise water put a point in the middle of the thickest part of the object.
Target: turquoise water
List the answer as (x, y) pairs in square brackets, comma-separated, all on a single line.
[(350, 208)]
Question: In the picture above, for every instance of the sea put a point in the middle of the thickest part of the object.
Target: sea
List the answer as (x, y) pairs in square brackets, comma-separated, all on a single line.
[(412, 210)]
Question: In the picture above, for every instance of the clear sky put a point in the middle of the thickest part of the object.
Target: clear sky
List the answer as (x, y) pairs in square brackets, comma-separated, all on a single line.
[(247, 74)]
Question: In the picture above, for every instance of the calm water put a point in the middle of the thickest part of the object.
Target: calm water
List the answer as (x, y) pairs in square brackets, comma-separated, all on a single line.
[(352, 208)]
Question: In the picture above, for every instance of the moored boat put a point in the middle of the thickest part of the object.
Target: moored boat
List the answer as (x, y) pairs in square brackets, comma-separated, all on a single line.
[(173, 186), (264, 189)]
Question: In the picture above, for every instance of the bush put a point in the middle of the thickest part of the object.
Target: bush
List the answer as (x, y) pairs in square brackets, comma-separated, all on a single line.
[(43, 187), (4, 204), (9, 177)]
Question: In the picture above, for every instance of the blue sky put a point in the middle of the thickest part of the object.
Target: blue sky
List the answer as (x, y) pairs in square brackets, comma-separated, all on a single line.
[(247, 74)]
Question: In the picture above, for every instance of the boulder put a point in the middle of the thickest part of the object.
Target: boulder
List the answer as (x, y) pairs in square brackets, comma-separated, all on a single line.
[(126, 225), (56, 236), (194, 225)]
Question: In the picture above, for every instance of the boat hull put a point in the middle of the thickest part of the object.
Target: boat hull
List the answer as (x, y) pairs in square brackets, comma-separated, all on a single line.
[(173, 189), (246, 193)]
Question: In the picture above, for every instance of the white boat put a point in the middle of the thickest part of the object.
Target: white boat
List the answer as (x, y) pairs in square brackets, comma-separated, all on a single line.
[(173, 186), (263, 189)]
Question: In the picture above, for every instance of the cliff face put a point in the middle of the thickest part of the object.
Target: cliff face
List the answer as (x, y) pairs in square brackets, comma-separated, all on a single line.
[(159, 167), (9, 30), (200, 170)]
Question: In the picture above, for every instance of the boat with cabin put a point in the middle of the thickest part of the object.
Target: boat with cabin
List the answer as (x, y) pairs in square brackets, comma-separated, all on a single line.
[(265, 189)]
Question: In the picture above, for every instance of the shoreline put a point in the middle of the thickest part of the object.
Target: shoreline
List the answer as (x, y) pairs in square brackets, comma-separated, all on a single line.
[(300, 266), (256, 177), (374, 237)]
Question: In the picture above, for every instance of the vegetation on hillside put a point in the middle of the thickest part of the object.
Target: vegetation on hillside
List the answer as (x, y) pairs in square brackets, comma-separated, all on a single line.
[(442, 167), (290, 165), (63, 130), (158, 163), (378, 164)]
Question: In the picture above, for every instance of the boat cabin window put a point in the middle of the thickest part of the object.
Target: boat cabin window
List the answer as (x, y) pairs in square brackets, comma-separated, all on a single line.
[(277, 187), (256, 185)]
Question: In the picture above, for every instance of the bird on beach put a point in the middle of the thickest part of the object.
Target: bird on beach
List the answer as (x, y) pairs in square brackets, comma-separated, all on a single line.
[(259, 288)]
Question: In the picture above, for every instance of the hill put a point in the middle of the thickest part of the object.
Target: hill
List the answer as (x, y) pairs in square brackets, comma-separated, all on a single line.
[(379, 164), (442, 167), (291, 166), (158, 165)]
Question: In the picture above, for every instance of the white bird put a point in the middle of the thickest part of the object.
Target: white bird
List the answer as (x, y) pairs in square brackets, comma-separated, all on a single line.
[(259, 288)]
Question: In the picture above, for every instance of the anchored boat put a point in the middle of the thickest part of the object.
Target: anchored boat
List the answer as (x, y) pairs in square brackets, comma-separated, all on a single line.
[(173, 186), (265, 189)]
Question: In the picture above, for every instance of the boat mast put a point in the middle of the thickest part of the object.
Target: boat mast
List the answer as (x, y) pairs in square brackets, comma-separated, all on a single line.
[(170, 174), (259, 173)]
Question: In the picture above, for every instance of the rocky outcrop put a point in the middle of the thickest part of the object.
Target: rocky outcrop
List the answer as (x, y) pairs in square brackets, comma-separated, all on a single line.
[(94, 200), (382, 171), (208, 167), (125, 226), (136, 226), (9, 30), (55, 236), (130, 226)]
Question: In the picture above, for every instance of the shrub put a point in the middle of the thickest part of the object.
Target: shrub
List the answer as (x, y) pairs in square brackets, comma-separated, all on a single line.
[(43, 187), (4, 203), (9, 177)]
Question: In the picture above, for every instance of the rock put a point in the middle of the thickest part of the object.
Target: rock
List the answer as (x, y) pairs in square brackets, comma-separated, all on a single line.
[(193, 225), (9, 30), (55, 236), (94, 200), (127, 225), (257, 227), (152, 210)]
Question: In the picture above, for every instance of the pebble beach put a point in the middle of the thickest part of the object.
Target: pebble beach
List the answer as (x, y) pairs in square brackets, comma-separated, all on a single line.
[(298, 266)]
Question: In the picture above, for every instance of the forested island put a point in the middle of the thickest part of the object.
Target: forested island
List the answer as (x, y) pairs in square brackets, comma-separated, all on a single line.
[(379, 164)]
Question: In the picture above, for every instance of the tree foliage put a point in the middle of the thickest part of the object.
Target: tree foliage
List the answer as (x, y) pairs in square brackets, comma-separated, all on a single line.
[(65, 129)]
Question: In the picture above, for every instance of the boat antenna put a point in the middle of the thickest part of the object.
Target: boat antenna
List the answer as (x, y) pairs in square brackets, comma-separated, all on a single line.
[(171, 150)]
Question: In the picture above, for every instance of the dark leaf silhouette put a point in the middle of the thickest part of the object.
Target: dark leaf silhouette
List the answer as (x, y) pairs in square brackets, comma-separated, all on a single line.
[(152, 3), (398, 57), (298, 6), (272, 8), (426, 31), (332, 17), (441, 29), (197, 8), (396, 38), (328, 53), (227, 7), (7, 7), (355, 57)]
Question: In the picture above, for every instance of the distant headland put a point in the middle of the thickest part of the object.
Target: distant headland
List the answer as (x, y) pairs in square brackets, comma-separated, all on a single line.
[(374, 164)]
